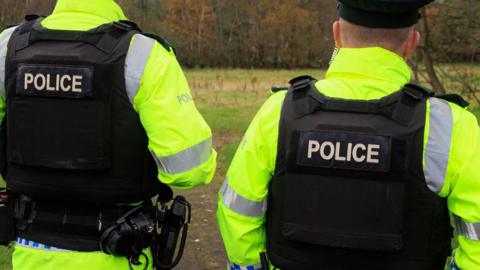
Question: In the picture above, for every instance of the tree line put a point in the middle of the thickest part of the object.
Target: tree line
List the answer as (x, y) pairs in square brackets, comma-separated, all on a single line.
[(272, 33)]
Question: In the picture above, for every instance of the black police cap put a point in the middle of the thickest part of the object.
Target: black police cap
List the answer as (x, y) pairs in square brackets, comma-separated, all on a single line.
[(382, 13)]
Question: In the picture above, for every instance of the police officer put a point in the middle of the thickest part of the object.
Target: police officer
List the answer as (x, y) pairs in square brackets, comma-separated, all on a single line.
[(360, 170), (95, 113)]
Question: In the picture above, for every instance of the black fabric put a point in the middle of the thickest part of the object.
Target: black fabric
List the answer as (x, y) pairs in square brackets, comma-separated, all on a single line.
[(67, 226), (381, 13), (165, 43), (454, 98), (387, 6), (89, 147), (342, 217)]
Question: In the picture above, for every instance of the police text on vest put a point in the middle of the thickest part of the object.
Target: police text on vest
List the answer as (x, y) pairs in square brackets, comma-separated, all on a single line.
[(344, 150), (358, 153), (55, 81), (49, 82)]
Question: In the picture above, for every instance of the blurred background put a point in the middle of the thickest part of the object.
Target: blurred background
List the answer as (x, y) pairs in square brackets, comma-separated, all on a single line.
[(233, 51)]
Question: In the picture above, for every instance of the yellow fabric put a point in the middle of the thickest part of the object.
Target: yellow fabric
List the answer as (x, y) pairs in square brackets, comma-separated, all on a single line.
[(33, 259), (359, 74), (82, 15), (171, 126), (168, 114), (462, 183)]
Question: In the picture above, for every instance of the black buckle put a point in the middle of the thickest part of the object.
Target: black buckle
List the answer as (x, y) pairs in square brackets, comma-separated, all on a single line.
[(125, 25), (417, 92), (301, 83)]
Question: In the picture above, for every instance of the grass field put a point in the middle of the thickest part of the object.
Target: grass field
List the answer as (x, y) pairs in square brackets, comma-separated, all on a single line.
[(228, 99)]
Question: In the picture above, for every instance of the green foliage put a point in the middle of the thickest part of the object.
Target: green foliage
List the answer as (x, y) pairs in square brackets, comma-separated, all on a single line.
[(226, 119), (226, 154)]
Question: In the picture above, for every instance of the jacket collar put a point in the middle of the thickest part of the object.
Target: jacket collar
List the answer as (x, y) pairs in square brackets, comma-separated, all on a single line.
[(380, 66), (82, 15)]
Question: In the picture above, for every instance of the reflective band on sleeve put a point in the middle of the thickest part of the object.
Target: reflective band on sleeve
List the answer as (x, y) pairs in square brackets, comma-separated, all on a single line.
[(469, 230), (233, 266), (187, 159), (135, 63), (4, 38), (437, 151), (240, 204)]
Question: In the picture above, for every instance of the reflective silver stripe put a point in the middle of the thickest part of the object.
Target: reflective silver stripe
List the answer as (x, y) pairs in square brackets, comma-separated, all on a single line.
[(469, 230), (135, 63), (240, 204), (4, 38), (187, 159), (437, 151), (233, 266)]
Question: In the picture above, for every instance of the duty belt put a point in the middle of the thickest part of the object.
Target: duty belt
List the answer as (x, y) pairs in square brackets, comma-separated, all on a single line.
[(66, 226)]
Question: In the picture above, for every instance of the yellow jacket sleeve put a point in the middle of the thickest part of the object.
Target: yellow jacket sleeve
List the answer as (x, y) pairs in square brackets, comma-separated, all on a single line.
[(4, 38), (179, 138), (459, 177), (242, 199)]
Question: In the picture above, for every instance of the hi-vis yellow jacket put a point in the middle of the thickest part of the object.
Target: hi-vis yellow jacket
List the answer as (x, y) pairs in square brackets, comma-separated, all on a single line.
[(179, 138), (451, 158)]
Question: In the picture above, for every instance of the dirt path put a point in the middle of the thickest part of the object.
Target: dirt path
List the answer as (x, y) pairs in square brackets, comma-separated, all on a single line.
[(205, 249)]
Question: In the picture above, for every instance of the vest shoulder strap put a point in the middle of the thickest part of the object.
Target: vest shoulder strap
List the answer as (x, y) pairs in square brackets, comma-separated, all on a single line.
[(454, 98), (162, 41), (105, 37), (277, 88), (397, 106)]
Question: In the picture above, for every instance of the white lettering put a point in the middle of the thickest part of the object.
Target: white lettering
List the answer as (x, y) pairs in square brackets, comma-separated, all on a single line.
[(313, 146), (338, 157), (373, 151), (57, 82), (77, 84), (39, 82), (349, 152), (49, 88), (28, 80), (331, 152), (62, 83), (355, 155), (359, 153)]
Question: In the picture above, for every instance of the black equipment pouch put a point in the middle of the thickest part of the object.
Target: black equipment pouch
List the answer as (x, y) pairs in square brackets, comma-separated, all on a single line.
[(172, 222), (345, 179), (7, 228)]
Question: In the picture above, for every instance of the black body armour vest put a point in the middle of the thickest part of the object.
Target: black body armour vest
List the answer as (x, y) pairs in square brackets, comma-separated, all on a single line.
[(349, 191), (72, 133)]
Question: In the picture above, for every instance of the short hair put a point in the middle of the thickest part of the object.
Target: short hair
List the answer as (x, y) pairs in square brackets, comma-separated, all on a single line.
[(362, 36)]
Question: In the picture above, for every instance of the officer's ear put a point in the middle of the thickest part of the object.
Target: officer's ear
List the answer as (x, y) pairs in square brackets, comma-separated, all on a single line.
[(411, 44), (337, 34)]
